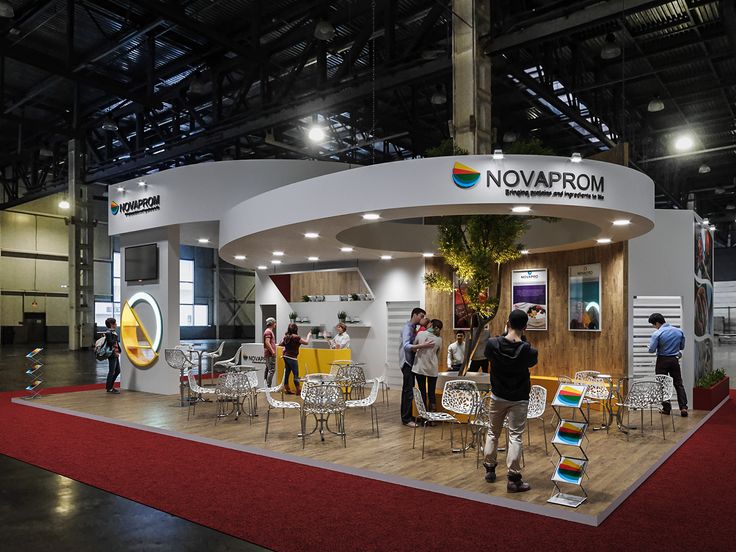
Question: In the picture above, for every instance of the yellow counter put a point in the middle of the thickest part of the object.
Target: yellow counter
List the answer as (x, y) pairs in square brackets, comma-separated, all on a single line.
[(311, 361)]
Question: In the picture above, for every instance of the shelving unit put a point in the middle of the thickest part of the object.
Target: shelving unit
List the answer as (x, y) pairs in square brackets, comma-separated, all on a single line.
[(569, 435)]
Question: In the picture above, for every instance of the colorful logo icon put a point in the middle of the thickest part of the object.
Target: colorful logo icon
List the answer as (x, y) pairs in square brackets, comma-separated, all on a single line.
[(463, 176), (141, 349), (114, 207)]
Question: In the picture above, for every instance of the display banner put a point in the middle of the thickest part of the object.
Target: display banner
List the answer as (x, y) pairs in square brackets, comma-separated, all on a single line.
[(570, 395), (570, 470), (584, 297), (703, 298), (529, 293)]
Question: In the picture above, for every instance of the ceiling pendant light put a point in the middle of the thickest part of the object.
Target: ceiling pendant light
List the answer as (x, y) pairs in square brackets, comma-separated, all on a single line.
[(324, 30), (655, 105), (316, 134), (611, 49), (704, 169), (109, 125)]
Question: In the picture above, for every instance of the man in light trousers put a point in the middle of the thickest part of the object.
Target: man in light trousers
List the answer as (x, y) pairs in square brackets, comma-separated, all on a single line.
[(510, 357)]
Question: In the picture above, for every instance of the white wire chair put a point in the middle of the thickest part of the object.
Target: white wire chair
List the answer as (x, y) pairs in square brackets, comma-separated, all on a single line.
[(320, 400), (212, 356), (460, 397), (177, 359), (369, 401), (537, 406), (586, 374), (198, 391), (598, 392), (227, 364), (668, 387), (274, 403), (428, 417), (385, 388), (641, 396)]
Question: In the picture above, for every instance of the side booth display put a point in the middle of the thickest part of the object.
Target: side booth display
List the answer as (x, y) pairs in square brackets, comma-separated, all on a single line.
[(569, 436)]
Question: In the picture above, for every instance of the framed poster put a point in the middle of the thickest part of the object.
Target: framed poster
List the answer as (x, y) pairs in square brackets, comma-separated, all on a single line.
[(462, 312), (529, 293), (584, 297)]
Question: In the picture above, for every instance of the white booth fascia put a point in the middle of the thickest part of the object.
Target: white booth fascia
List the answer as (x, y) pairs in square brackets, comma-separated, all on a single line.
[(661, 264)]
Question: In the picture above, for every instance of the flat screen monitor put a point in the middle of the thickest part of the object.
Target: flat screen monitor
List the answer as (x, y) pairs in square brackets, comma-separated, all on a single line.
[(141, 263)]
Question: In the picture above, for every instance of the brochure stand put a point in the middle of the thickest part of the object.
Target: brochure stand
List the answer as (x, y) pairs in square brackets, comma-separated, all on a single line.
[(570, 435), (34, 371)]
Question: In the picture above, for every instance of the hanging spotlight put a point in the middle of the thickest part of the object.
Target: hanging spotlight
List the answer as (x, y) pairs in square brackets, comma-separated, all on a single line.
[(655, 105), (120, 189), (611, 49), (324, 30), (64, 204), (316, 134), (109, 125), (704, 169), (576, 158), (438, 98), (684, 142), (497, 154), (6, 10)]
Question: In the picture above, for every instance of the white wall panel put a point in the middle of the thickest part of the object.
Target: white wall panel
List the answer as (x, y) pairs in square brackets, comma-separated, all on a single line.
[(53, 236), (103, 278), (57, 311), (18, 231), (17, 273), (50, 275), (11, 310)]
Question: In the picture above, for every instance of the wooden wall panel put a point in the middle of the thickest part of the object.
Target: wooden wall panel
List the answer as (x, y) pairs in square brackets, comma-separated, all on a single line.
[(326, 283), (561, 351)]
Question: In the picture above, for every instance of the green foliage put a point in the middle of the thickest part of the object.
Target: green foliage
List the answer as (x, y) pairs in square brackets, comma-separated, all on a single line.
[(306, 298), (293, 316), (533, 146), (445, 148), (355, 297), (315, 331), (342, 315), (709, 379)]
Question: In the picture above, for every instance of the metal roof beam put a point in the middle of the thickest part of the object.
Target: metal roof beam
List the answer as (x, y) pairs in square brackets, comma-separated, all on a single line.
[(595, 15)]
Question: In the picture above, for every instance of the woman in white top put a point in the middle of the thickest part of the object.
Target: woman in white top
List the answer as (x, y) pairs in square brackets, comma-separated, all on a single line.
[(426, 362), (342, 339)]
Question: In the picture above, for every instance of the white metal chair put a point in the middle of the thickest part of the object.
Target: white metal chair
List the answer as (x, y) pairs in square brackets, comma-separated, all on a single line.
[(428, 417), (368, 402), (481, 422), (212, 356), (598, 392), (227, 364), (668, 387), (641, 396), (460, 397), (385, 388), (177, 359), (320, 400), (198, 392), (537, 406), (274, 403), (586, 374)]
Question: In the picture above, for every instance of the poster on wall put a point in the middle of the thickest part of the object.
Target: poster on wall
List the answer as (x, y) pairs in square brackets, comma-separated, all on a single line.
[(703, 298), (462, 313), (529, 293), (584, 297)]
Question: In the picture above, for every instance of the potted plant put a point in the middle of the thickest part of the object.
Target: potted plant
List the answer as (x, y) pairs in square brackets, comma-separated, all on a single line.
[(306, 298), (354, 297), (342, 316), (293, 316), (315, 332), (710, 390)]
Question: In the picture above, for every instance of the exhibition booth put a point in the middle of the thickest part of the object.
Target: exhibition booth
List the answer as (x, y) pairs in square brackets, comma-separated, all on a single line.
[(329, 242)]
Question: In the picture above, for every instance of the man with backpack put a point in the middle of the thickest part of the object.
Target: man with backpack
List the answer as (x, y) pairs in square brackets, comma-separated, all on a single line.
[(112, 344)]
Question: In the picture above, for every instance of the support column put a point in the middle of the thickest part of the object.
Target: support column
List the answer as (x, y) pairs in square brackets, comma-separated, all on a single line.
[(471, 76), (81, 254)]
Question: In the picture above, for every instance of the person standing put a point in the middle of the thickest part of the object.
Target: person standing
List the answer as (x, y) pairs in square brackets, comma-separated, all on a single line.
[(112, 340), (510, 357), (269, 350), (426, 362), (456, 353), (291, 344), (342, 339), (667, 341), (478, 361), (407, 349)]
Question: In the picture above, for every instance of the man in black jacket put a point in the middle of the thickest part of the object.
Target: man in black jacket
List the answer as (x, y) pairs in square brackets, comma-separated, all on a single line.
[(511, 357)]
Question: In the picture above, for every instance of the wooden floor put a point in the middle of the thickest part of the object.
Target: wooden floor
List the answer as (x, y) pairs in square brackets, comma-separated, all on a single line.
[(615, 462)]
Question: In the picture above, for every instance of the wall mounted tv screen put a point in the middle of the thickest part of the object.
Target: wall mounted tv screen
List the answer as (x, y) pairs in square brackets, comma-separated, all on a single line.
[(141, 263)]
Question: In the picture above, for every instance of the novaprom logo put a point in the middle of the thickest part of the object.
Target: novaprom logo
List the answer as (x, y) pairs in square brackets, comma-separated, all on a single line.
[(136, 206)]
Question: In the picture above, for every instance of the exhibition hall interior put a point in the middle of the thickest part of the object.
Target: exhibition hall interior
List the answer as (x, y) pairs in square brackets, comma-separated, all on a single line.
[(367, 274)]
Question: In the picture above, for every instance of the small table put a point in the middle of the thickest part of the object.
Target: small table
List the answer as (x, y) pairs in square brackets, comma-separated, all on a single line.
[(191, 348)]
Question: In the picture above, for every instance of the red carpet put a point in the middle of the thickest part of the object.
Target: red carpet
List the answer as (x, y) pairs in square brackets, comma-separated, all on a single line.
[(688, 502)]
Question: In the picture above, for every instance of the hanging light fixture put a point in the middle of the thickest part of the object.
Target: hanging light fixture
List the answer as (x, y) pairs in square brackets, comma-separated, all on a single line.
[(611, 49), (438, 98), (704, 169), (655, 104), (6, 10), (324, 30), (316, 134), (109, 124)]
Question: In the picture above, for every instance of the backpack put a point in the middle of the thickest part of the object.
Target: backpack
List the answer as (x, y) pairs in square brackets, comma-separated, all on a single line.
[(102, 350)]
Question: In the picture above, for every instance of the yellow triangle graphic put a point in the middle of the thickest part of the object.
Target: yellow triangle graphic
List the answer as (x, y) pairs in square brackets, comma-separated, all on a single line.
[(464, 167), (129, 325)]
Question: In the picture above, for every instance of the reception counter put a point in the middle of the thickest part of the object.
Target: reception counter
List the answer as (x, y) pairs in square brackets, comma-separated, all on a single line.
[(312, 360)]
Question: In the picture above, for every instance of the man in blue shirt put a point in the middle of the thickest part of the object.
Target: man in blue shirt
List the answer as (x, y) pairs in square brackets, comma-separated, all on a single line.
[(407, 350), (667, 341)]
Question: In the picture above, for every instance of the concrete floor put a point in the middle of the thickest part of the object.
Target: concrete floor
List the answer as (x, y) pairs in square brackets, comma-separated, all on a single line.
[(40, 510), (724, 356)]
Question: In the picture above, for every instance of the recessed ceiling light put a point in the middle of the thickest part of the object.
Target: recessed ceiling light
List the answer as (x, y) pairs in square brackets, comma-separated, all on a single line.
[(713, 227), (427, 254), (239, 257), (141, 183), (311, 235), (120, 188), (621, 222), (371, 216), (576, 158), (313, 259), (203, 240), (386, 257), (521, 209), (262, 267), (498, 154), (275, 261), (524, 251), (603, 240), (278, 253), (346, 249), (684, 142), (64, 204)]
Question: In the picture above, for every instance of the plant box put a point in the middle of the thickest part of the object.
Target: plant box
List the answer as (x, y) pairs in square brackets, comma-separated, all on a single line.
[(708, 399)]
